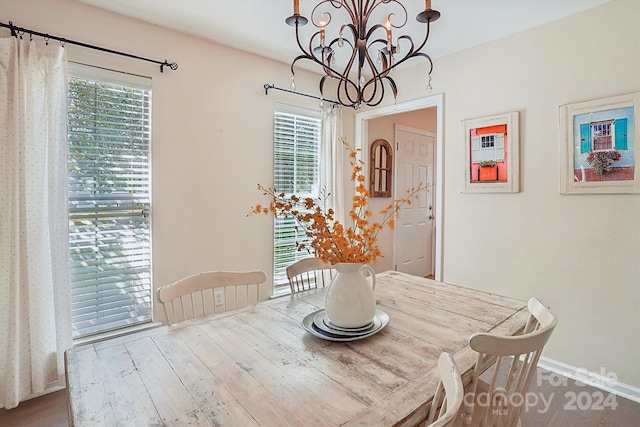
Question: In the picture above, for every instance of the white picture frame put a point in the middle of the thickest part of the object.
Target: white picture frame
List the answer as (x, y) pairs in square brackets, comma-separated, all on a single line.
[(600, 145), (492, 154)]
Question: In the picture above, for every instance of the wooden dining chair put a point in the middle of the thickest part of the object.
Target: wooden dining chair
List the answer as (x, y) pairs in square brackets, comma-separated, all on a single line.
[(449, 394), (209, 292), (309, 273), (509, 363)]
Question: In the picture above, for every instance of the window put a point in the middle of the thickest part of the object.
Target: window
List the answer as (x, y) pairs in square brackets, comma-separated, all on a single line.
[(488, 141), (296, 156), (487, 148), (604, 135), (601, 135), (109, 199)]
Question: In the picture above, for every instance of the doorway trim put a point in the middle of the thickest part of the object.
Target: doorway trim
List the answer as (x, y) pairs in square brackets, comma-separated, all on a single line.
[(417, 104)]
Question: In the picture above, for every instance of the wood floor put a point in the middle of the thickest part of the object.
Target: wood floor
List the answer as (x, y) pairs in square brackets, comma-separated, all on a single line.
[(568, 403), (571, 405), (46, 411)]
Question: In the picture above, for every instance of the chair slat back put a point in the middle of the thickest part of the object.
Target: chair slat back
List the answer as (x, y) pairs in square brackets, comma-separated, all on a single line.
[(309, 273), (449, 394), (239, 289), (512, 362)]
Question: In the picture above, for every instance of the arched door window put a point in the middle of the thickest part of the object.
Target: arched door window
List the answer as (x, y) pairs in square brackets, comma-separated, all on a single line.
[(380, 165)]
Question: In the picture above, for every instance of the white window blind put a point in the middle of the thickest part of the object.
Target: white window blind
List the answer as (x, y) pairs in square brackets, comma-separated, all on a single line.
[(109, 200), (296, 157)]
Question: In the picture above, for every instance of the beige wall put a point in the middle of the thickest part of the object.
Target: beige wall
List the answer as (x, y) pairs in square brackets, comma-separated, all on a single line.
[(212, 142), (578, 253)]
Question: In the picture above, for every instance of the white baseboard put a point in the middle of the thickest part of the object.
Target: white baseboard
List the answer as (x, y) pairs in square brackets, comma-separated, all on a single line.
[(591, 378)]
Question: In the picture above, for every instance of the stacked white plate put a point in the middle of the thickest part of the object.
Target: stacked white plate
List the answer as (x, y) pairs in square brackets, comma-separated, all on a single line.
[(318, 324)]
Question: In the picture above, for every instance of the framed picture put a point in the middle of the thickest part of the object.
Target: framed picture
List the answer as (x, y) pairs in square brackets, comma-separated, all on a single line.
[(491, 150), (599, 140)]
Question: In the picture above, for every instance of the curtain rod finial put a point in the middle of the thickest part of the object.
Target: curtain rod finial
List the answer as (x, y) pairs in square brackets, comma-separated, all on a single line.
[(172, 65)]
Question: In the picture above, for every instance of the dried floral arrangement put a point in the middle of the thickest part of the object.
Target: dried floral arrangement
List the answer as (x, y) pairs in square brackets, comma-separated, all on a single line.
[(327, 238)]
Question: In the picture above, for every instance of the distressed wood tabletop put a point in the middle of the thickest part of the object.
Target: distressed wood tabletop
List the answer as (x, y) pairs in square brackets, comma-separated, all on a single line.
[(259, 366)]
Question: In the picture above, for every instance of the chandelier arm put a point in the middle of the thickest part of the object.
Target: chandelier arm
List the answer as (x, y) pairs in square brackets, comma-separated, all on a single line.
[(315, 59), (406, 37), (311, 39), (337, 41), (323, 50), (349, 83), (372, 29), (426, 37), (352, 10), (298, 39), (394, 87), (313, 13), (328, 70), (349, 65), (354, 35), (339, 92), (336, 5), (383, 55), (343, 89), (381, 41), (321, 84), (326, 67), (389, 2), (385, 62), (375, 80), (370, 101), (293, 63), (413, 55), (424, 55), (346, 82), (354, 32)]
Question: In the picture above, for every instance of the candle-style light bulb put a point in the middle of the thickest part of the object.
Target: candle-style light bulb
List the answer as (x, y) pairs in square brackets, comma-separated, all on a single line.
[(387, 25), (323, 21), (322, 24)]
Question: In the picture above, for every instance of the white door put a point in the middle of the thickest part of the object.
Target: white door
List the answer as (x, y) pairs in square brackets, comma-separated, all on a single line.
[(414, 231)]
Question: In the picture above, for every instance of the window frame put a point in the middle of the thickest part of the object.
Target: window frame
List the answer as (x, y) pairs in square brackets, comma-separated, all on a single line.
[(599, 126)]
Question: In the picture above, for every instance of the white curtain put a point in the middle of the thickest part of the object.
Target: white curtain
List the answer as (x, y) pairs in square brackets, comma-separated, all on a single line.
[(332, 153), (35, 307)]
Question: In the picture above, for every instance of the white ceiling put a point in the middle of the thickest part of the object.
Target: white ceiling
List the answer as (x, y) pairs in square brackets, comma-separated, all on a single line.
[(258, 26)]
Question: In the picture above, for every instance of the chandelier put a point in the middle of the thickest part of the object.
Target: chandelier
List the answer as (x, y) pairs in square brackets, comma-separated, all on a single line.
[(363, 54)]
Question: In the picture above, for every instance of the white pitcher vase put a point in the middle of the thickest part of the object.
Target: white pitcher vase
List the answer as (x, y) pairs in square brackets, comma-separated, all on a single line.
[(350, 301)]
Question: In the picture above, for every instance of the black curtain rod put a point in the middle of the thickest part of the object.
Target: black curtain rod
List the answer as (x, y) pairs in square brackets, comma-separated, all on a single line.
[(18, 31), (268, 86)]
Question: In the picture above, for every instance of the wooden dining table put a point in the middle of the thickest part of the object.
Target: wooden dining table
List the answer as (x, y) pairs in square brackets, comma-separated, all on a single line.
[(258, 366)]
